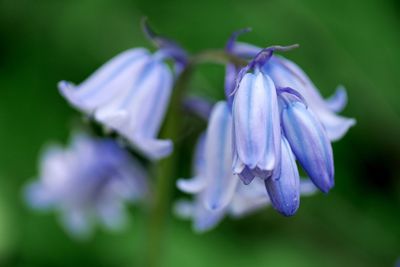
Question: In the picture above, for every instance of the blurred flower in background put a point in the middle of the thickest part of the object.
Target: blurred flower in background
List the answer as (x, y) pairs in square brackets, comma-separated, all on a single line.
[(87, 183), (129, 94)]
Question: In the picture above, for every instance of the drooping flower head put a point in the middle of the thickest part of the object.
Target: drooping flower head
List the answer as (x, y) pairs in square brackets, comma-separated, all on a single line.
[(277, 118), (86, 183), (130, 94), (286, 73), (217, 190)]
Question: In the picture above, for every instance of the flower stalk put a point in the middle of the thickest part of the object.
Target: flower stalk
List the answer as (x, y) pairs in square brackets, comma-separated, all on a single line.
[(166, 168)]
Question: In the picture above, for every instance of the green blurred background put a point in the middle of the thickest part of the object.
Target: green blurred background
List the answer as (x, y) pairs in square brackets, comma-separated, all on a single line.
[(354, 43)]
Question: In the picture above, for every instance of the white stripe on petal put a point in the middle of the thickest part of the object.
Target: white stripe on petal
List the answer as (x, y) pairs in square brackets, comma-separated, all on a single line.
[(272, 152), (250, 118)]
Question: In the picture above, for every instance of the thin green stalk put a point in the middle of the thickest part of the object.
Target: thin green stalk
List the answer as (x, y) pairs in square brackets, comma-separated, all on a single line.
[(166, 169)]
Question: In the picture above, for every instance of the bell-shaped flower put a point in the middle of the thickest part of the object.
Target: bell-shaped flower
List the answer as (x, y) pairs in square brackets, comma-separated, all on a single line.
[(217, 166), (87, 183), (130, 95), (284, 191), (286, 73), (236, 199), (308, 139), (256, 127)]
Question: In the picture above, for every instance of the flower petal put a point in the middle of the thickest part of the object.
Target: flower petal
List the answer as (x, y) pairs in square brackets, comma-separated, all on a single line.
[(245, 50), (309, 143), (137, 114), (249, 198), (272, 152), (250, 118), (246, 175), (191, 186), (154, 149), (112, 78), (337, 102), (221, 183), (205, 219), (307, 187), (230, 82), (285, 191), (184, 209), (285, 73), (335, 126)]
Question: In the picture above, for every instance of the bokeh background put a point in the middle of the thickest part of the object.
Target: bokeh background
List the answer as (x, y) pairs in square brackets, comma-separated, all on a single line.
[(351, 42)]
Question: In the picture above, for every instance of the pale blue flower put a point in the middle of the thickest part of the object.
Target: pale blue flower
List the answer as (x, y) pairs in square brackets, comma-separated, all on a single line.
[(302, 117), (87, 183), (278, 117), (257, 131), (285, 191), (286, 73), (308, 139), (217, 190), (129, 94)]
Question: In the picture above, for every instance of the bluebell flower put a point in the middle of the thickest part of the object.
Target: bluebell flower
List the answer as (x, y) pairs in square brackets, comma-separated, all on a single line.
[(217, 190), (286, 73), (257, 131), (278, 117), (308, 139), (87, 183), (302, 117), (129, 94)]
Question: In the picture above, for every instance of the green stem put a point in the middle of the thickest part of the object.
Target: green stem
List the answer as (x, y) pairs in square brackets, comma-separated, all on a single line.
[(217, 56), (166, 169)]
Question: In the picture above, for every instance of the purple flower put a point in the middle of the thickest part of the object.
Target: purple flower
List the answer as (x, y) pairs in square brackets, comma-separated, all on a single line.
[(286, 73), (308, 140), (256, 127), (270, 124), (86, 183), (273, 116), (217, 190), (129, 94)]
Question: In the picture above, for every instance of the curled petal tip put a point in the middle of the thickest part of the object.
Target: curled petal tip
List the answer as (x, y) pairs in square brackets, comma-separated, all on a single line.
[(154, 149), (193, 185), (336, 126), (337, 102), (232, 40)]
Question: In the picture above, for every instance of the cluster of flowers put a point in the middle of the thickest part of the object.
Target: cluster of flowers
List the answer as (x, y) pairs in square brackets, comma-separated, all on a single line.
[(273, 115)]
